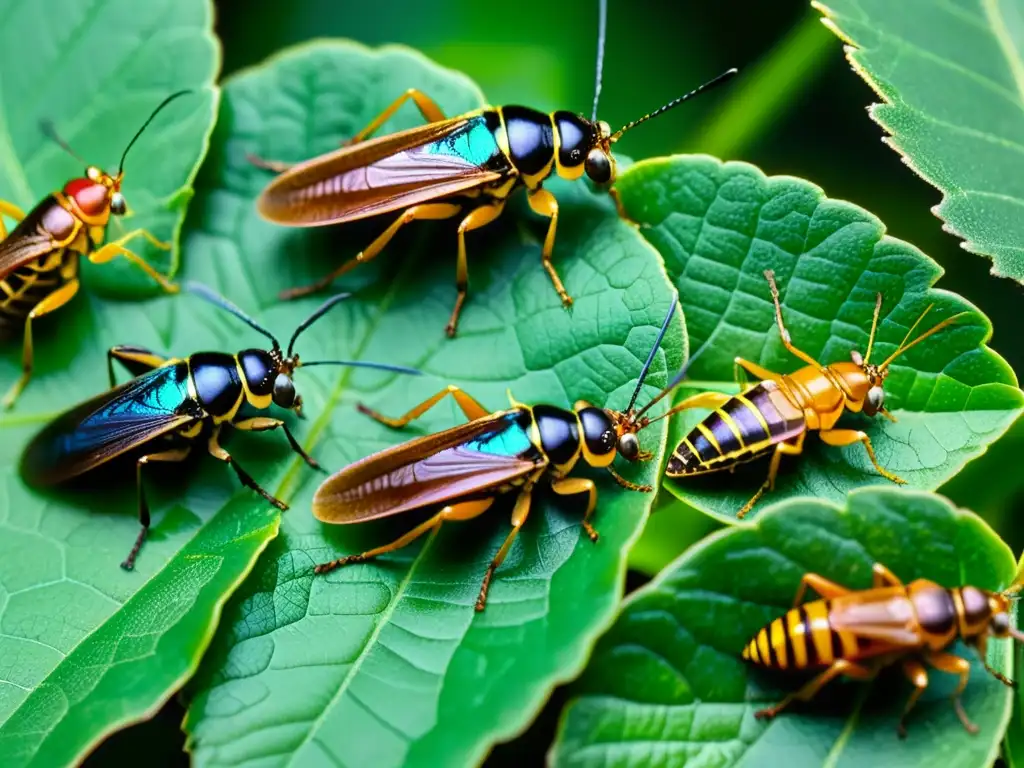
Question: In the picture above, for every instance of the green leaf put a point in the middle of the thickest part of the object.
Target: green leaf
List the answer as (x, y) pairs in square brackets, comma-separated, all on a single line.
[(666, 685), (97, 71), (719, 226), (952, 80), (379, 663)]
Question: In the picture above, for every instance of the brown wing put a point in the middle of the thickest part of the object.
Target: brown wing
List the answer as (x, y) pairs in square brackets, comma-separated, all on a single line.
[(878, 614), (389, 173), (25, 243), (423, 472)]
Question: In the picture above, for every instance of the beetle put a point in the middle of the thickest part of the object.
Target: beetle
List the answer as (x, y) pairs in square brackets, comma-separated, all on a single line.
[(435, 170), (464, 469), (39, 259), (775, 415), (855, 633), (172, 404)]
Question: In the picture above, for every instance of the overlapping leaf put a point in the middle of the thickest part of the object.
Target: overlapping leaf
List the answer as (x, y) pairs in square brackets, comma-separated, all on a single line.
[(666, 685), (720, 226), (952, 78), (380, 663)]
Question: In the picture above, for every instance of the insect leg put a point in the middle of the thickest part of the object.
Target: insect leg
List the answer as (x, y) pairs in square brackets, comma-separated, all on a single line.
[(478, 217), (263, 424), (9, 209), (429, 211), (628, 485), (613, 193), (709, 400), (844, 437), (469, 406), (980, 644), (544, 203), (883, 577), (116, 248), (754, 370), (781, 449), (465, 510), (571, 486), (427, 106), (808, 691), (783, 333), (244, 477), (519, 514), (917, 675), (138, 360), (49, 303), (827, 589), (175, 454), (954, 665)]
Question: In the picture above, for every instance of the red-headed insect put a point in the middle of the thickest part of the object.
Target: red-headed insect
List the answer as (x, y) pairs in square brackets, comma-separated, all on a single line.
[(436, 170), (39, 258), (462, 470), (855, 633), (775, 415)]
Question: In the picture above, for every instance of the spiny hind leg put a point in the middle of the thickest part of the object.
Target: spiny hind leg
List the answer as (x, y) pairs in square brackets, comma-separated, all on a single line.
[(49, 303), (138, 360), (426, 105), (545, 204), (243, 477), (755, 370), (918, 676), (265, 424), (824, 587), (469, 406), (519, 514), (478, 217), (175, 454), (843, 437), (429, 211), (787, 341), (9, 209), (954, 665), (116, 248), (465, 510), (810, 690), (781, 449)]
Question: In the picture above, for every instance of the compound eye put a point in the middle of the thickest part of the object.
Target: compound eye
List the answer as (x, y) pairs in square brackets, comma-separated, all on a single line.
[(118, 205), (598, 166), (1000, 624), (284, 391), (875, 401), (629, 446)]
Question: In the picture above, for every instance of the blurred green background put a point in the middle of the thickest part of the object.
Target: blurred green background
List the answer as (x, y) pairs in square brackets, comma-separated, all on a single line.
[(797, 108)]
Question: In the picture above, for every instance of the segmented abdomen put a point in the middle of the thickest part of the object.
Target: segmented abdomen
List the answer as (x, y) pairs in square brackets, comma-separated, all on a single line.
[(802, 638), (26, 286), (740, 430)]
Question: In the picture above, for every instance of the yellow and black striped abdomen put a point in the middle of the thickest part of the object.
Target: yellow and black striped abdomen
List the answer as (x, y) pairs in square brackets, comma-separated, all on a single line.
[(802, 638), (23, 288), (742, 429)]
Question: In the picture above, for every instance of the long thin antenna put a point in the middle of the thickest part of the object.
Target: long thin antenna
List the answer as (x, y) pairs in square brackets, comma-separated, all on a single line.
[(902, 349), (602, 28), (676, 381), (675, 103), (362, 364), (319, 312), (216, 299), (145, 125), (50, 131), (654, 350), (874, 327)]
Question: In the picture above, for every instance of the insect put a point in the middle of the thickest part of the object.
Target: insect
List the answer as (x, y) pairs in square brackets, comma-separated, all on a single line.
[(436, 170), (854, 633), (464, 469), (775, 415), (172, 404), (39, 259)]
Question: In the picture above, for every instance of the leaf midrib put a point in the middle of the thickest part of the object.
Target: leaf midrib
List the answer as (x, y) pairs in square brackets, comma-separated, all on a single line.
[(995, 19)]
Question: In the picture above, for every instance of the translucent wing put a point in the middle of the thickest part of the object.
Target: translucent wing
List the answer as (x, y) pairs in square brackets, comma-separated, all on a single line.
[(878, 614), (25, 242)]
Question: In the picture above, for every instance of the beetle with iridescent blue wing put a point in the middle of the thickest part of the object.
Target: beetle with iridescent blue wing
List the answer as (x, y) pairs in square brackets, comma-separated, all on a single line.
[(462, 470), (172, 403)]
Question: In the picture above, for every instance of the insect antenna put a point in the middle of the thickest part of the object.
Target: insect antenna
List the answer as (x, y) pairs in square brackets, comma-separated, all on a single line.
[(216, 299), (319, 312), (602, 28), (874, 327), (654, 349), (676, 381), (904, 347), (675, 103), (145, 125), (50, 131)]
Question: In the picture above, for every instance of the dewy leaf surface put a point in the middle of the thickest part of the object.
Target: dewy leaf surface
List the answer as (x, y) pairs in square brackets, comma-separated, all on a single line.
[(84, 646), (719, 226), (951, 75), (666, 685), (387, 663)]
